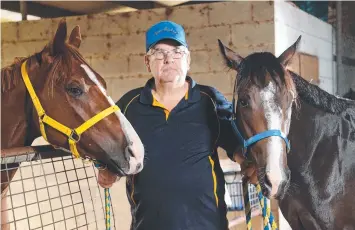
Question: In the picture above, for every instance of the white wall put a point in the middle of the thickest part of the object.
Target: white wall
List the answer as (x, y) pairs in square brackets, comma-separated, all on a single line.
[(317, 39)]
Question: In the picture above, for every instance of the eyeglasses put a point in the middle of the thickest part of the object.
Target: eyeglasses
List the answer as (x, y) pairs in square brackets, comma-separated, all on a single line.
[(160, 54)]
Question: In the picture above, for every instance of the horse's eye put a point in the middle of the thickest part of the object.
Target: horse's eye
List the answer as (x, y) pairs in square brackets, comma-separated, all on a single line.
[(74, 91), (243, 102)]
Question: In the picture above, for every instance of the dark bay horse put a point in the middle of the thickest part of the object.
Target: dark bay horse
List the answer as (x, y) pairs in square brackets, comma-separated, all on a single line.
[(73, 110), (315, 181)]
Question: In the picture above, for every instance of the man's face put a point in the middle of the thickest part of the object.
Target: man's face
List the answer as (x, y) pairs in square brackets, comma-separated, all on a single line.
[(168, 62)]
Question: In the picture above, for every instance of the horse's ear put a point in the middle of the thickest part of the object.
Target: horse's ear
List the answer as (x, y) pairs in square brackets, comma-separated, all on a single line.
[(231, 59), (75, 37), (58, 44), (287, 55)]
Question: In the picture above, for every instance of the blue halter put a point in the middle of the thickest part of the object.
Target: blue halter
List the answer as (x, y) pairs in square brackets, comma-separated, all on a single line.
[(257, 137)]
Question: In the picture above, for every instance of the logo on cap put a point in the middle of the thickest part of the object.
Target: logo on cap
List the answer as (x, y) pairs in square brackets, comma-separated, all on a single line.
[(166, 29)]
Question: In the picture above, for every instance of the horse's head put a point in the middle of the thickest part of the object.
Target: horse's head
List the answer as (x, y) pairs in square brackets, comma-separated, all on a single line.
[(71, 93), (264, 94)]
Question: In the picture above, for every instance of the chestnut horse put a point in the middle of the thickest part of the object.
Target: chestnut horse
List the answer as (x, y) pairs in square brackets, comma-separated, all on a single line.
[(65, 101), (277, 110)]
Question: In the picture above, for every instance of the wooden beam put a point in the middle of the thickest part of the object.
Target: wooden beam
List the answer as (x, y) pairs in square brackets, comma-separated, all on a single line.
[(84, 7), (140, 5), (38, 9), (197, 2), (171, 3)]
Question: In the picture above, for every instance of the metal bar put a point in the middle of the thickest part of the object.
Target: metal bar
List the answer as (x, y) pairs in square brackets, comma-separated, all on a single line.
[(30, 153)]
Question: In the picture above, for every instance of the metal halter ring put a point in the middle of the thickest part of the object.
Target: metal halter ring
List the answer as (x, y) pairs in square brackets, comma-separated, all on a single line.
[(74, 136), (42, 117)]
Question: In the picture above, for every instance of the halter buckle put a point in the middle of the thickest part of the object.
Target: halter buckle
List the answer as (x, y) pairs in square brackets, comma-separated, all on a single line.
[(74, 136)]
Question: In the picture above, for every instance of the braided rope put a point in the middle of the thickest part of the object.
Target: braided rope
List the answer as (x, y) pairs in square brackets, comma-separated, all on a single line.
[(99, 166), (247, 204), (268, 217), (107, 209)]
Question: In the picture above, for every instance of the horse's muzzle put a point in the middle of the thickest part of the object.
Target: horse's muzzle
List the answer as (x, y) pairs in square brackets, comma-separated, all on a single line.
[(124, 163), (275, 189)]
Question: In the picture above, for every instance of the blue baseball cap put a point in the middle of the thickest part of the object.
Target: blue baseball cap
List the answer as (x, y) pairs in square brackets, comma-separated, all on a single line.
[(165, 30)]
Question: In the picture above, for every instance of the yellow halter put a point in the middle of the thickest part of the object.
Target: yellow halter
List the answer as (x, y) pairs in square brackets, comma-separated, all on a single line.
[(73, 134)]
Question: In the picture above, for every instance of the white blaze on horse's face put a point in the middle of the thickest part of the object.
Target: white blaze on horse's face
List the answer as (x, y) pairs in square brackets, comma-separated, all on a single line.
[(288, 113), (273, 116), (135, 145)]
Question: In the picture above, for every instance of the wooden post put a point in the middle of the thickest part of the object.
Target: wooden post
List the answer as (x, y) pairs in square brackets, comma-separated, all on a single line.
[(23, 10)]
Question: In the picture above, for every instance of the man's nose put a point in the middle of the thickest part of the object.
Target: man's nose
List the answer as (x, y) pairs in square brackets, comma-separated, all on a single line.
[(168, 58)]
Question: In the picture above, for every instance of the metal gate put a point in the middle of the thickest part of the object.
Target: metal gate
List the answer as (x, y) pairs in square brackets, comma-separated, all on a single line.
[(53, 193), (235, 206), (235, 190)]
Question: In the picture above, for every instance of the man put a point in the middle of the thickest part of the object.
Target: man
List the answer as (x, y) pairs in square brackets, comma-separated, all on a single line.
[(181, 124)]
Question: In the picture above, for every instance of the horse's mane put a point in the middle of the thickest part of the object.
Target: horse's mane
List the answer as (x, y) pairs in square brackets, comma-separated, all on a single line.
[(11, 75), (257, 67), (319, 98)]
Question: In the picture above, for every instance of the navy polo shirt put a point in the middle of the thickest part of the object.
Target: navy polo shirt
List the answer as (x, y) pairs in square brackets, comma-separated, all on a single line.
[(181, 186)]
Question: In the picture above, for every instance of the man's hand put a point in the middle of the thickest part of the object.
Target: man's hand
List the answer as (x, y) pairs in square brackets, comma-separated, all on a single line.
[(247, 168), (106, 178)]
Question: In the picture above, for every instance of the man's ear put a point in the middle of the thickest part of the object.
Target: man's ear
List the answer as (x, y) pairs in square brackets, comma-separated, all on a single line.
[(188, 61), (146, 62)]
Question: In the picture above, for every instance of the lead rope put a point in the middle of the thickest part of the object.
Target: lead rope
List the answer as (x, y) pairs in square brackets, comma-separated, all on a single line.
[(247, 203), (107, 208), (267, 214), (108, 202), (268, 217)]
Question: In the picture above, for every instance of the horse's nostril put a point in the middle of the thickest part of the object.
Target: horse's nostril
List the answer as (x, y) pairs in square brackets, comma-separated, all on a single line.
[(139, 165), (129, 152), (268, 182)]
